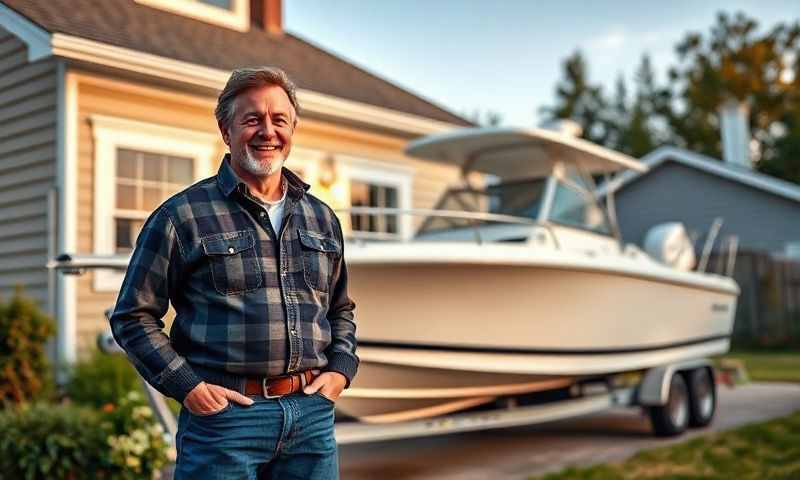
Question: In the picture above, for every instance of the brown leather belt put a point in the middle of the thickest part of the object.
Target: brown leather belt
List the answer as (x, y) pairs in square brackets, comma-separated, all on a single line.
[(273, 387)]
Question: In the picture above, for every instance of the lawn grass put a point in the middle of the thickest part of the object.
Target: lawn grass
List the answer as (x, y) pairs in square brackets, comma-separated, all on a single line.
[(770, 366), (769, 450)]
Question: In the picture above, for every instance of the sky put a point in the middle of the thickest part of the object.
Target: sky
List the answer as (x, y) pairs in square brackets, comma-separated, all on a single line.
[(506, 56)]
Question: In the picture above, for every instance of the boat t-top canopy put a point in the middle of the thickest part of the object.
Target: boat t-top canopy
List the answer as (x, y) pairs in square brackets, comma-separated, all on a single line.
[(518, 152)]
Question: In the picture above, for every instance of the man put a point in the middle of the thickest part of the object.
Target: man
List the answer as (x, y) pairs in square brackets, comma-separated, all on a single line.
[(263, 341)]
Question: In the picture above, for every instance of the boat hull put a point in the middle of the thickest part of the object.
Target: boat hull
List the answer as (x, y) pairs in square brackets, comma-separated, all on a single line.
[(532, 309), (430, 332)]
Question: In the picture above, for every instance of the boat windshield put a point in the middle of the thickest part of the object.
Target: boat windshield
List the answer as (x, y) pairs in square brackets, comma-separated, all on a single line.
[(575, 206), (519, 198)]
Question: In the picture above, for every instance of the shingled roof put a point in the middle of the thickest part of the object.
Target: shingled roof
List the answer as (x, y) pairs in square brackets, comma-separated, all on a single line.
[(125, 23)]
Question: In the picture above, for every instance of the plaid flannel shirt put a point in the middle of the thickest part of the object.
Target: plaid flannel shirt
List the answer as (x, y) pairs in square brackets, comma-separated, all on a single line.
[(249, 301)]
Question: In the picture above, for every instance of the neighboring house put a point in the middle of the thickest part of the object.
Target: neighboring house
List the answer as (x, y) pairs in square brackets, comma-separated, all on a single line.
[(106, 109), (760, 210)]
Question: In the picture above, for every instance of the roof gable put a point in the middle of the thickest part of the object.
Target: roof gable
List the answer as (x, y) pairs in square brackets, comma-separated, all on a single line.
[(127, 24), (709, 165)]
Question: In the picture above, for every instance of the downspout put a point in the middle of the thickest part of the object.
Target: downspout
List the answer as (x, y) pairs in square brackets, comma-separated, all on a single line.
[(66, 182)]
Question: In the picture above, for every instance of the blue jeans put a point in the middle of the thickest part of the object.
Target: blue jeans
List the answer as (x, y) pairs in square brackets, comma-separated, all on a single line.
[(286, 438)]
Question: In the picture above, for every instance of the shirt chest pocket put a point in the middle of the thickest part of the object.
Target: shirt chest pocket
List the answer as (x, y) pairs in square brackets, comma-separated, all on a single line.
[(320, 254), (233, 261)]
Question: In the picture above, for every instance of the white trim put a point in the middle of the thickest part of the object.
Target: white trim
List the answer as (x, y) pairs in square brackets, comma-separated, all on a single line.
[(320, 103), (41, 44), (66, 183), (237, 19), (385, 174), (75, 48), (36, 38), (110, 133), (709, 165)]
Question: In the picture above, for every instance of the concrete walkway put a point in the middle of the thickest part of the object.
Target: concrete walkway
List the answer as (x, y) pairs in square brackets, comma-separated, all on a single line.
[(521, 452)]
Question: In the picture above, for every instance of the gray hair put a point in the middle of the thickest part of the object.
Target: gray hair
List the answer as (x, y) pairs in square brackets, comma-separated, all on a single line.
[(242, 79)]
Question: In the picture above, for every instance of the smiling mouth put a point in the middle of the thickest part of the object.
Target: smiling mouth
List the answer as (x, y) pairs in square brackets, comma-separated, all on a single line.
[(266, 148)]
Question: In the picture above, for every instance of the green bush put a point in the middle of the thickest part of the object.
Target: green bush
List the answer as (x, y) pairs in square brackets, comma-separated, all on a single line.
[(25, 372), (52, 441), (102, 379), (120, 442)]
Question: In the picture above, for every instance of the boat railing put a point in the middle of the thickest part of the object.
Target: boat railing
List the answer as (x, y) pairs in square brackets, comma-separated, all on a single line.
[(475, 220)]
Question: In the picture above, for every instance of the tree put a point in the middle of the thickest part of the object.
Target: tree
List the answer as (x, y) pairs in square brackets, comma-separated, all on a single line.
[(489, 118), (635, 124), (578, 100), (733, 63)]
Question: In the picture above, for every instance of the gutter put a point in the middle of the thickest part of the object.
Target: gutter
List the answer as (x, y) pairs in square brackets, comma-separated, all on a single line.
[(98, 53)]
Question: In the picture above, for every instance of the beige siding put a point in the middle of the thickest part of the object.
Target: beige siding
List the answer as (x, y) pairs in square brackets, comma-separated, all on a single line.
[(123, 101), (103, 96), (28, 110)]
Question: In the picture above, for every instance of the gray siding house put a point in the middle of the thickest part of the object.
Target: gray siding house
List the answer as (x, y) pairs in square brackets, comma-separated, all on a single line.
[(762, 211)]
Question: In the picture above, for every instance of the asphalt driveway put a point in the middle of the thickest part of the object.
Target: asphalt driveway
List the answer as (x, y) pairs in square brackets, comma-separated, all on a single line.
[(517, 453)]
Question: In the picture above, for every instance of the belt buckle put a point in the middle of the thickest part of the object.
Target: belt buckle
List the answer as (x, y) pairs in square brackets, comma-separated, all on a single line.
[(265, 389)]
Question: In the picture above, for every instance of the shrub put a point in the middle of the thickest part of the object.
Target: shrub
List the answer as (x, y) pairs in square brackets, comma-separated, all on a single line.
[(25, 373), (45, 441), (102, 379), (138, 442), (121, 442)]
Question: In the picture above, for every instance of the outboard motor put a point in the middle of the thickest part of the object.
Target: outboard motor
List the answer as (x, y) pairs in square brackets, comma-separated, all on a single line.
[(669, 243)]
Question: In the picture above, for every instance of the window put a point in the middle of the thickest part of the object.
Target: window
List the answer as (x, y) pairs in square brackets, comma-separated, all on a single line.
[(377, 184), (226, 4), (143, 181), (574, 205), (233, 14), (370, 195), (138, 165)]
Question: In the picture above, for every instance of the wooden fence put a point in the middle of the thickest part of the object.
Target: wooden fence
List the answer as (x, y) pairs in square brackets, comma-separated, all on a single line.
[(768, 312)]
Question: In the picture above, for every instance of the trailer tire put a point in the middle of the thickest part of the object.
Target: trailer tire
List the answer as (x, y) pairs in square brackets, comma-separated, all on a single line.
[(673, 418), (702, 397)]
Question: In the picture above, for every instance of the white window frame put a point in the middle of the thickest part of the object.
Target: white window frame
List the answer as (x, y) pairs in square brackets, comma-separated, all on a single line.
[(237, 19), (112, 133), (387, 175)]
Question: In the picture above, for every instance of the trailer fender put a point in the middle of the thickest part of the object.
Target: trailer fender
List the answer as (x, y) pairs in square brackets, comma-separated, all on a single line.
[(654, 389)]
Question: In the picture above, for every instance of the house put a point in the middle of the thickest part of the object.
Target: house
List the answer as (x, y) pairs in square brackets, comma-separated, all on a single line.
[(680, 185), (106, 108), (762, 212)]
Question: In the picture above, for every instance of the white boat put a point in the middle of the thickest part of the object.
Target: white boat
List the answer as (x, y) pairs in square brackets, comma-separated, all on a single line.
[(519, 282)]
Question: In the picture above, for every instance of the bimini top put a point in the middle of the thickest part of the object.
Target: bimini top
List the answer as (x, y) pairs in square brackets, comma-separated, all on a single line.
[(518, 152)]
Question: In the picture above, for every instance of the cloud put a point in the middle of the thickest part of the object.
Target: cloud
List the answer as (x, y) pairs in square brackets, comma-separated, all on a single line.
[(617, 37), (611, 40)]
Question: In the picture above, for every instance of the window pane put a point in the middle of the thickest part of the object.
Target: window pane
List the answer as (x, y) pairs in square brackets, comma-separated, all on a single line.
[(153, 167), (517, 198), (179, 170), (391, 223), (568, 206), (572, 208), (126, 163), (126, 231), (391, 197), (359, 194), (226, 4), (126, 197), (152, 198)]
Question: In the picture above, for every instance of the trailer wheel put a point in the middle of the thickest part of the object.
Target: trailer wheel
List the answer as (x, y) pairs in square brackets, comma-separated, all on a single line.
[(673, 418), (702, 397)]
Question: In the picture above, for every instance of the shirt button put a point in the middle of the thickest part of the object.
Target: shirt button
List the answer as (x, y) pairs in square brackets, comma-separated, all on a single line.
[(262, 214), (231, 249), (294, 332)]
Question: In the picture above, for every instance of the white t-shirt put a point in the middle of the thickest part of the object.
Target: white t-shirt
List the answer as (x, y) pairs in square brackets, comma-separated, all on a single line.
[(275, 210)]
